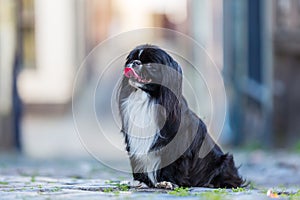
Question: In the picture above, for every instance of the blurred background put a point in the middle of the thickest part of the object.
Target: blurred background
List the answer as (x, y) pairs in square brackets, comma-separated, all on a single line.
[(256, 45)]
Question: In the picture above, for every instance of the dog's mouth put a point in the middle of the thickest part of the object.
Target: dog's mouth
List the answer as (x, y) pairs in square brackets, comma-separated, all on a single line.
[(130, 73)]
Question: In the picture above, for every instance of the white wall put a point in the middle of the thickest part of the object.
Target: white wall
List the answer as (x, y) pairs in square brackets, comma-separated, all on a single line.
[(52, 80)]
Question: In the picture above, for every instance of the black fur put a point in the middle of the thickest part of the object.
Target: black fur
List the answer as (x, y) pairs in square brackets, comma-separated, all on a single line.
[(180, 139)]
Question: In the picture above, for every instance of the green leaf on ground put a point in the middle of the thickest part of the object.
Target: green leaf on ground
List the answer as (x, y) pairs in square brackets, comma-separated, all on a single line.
[(180, 191)]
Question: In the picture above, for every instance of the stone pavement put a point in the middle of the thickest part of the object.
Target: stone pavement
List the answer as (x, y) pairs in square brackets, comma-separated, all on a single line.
[(26, 178)]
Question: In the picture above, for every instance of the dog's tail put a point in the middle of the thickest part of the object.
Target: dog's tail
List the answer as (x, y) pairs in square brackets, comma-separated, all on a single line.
[(228, 176)]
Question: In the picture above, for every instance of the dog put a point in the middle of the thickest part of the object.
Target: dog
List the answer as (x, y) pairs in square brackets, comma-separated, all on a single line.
[(167, 143)]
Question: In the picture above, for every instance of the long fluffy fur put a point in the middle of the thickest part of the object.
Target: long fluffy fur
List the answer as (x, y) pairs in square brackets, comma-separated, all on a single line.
[(169, 148)]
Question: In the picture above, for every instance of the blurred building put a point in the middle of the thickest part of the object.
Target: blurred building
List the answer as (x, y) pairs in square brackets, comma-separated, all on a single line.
[(254, 43), (248, 69), (286, 42), (55, 37), (261, 59)]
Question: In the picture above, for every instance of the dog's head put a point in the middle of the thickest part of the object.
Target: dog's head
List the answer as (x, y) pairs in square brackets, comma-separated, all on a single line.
[(151, 69)]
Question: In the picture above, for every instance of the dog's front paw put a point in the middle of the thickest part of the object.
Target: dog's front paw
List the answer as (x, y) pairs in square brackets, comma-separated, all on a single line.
[(165, 185)]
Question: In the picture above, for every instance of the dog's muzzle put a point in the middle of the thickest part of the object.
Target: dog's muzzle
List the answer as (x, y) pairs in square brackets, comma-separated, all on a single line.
[(131, 73)]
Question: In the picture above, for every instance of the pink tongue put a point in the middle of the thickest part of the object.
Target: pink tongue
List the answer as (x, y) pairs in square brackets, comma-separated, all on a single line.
[(129, 73)]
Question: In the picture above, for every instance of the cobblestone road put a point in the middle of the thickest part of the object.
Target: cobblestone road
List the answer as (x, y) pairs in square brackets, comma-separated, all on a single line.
[(25, 178)]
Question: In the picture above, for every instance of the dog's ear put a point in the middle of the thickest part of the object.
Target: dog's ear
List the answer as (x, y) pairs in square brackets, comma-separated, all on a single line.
[(171, 89), (227, 174)]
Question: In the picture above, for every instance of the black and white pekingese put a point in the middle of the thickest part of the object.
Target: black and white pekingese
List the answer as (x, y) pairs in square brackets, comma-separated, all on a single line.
[(167, 143)]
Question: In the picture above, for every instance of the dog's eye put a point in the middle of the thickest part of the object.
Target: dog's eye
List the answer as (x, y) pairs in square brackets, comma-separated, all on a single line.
[(136, 62)]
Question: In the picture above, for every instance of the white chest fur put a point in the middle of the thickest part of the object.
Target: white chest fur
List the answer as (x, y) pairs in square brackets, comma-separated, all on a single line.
[(140, 117)]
